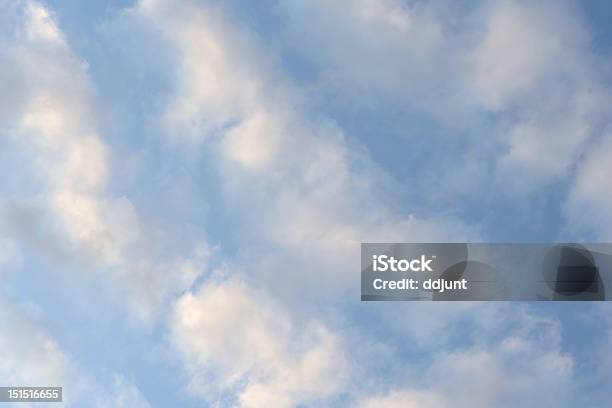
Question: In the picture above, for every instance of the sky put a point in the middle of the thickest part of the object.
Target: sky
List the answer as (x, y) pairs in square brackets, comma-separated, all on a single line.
[(186, 184)]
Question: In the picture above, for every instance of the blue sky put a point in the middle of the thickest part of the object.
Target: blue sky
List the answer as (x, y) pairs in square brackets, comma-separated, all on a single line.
[(186, 184)]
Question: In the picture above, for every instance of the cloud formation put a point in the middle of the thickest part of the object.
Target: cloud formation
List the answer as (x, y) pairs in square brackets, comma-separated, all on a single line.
[(288, 172), (71, 212), (255, 348), (519, 83), (297, 188)]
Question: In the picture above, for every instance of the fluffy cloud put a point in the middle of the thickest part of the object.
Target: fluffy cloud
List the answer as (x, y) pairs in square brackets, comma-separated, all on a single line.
[(71, 212), (305, 192), (307, 195), (290, 174), (30, 356), (255, 348), (517, 54), (496, 64), (513, 358), (409, 38), (558, 107)]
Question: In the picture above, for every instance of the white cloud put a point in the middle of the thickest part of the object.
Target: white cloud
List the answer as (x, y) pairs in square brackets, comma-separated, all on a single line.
[(557, 107), (217, 85), (255, 142), (547, 144), (519, 52), (56, 112), (517, 373), (525, 69), (290, 174), (53, 123), (30, 356), (395, 47), (305, 193), (513, 358), (256, 348)]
